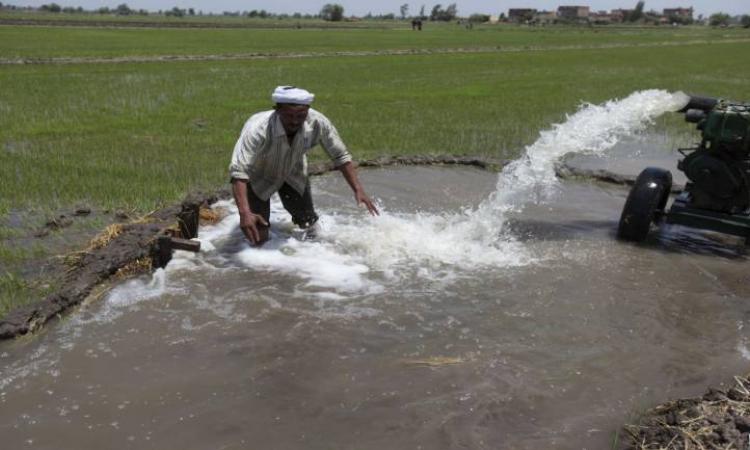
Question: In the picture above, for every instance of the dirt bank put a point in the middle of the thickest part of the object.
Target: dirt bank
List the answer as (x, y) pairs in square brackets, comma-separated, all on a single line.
[(720, 419)]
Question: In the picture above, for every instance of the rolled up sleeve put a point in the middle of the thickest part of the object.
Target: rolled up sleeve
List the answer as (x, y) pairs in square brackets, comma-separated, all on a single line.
[(245, 152), (333, 145)]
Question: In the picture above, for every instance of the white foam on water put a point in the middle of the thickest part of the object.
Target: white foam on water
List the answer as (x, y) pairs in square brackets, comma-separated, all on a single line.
[(358, 254)]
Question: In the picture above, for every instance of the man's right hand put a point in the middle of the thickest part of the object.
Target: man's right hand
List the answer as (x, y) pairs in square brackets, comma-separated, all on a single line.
[(254, 227)]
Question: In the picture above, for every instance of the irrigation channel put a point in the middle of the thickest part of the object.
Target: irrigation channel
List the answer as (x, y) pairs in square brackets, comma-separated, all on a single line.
[(476, 312)]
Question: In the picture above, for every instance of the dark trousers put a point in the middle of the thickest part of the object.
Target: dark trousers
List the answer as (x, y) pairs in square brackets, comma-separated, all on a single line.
[(299, 206)]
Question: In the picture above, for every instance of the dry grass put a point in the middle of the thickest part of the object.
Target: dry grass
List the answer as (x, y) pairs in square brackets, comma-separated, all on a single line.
[(105, 237), (211, 216), (439, 361), (74, 259), (133, 268), (718, 420)]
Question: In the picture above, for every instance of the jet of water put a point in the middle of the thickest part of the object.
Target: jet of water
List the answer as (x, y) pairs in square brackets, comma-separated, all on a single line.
[(593, 129)]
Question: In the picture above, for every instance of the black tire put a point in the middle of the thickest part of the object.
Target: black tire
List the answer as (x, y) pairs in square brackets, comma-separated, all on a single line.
[(645, 204)]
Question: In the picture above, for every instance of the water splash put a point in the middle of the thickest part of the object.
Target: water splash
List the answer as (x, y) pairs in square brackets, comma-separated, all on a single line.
[(593, 129), (476, 237), (359, 256)]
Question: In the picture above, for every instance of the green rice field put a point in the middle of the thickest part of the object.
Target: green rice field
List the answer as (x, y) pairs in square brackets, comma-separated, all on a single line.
[(81, 123)]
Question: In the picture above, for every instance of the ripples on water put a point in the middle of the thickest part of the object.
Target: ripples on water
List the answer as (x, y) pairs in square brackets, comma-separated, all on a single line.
[(477, 312)]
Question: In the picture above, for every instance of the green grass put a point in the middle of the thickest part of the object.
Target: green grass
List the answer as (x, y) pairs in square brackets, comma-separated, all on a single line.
[(15, 290), (46, 42), (141, 135)]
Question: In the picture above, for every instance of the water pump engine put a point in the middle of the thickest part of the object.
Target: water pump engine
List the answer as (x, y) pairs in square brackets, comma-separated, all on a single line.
[(717, 195), (719, 168)]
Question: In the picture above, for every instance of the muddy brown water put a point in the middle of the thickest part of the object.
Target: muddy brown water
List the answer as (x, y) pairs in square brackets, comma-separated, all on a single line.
[(368, 339)]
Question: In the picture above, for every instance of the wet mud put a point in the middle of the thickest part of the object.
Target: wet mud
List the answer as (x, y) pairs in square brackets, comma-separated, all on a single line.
[(127, 245), (718, 419)]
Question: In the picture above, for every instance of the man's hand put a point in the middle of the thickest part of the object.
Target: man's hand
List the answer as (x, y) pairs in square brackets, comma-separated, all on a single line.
[(362, 198), (254, 227), (350, 174)]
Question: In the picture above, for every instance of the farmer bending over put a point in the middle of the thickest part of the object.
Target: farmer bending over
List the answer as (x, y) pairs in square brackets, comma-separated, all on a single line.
[(271, 156)]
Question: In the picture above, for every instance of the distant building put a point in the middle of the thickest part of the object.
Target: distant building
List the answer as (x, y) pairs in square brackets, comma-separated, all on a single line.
[(682, 13), (602, 17), (494, 18), (545, 17), (619, 15), (521, 14), (573, 12)]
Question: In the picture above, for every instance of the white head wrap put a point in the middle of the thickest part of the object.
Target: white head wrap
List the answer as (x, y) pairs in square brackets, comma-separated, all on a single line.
[(292, 94)]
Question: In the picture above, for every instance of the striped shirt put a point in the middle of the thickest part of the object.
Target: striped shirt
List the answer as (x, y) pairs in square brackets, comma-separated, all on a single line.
[(263, 156)]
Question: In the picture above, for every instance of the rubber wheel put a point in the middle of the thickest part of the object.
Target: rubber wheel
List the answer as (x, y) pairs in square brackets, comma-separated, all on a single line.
[(645, 204)]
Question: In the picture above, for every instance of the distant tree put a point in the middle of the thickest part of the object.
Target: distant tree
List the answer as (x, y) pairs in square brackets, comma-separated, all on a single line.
[(253, 13), (176, 12), (479, 18), (52, 7), (332, 12), (745, 21), (446, 15), (637, 13), (103, 10), (436, 10), (123, 10), (404, 10), (263, 14), (450, 12), (1, 4), (719, 19), (421, 13), (191, 11)]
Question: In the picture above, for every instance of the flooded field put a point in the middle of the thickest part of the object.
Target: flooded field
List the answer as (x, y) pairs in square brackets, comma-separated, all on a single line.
[(477, 312)]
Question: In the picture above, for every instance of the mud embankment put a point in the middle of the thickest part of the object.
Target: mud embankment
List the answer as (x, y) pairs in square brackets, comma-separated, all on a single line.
[(121, 249)]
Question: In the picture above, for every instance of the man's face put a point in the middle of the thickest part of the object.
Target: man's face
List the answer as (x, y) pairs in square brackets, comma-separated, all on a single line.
[(292, 116)]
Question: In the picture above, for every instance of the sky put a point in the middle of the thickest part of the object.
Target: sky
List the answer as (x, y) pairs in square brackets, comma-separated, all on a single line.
[(362, 7)]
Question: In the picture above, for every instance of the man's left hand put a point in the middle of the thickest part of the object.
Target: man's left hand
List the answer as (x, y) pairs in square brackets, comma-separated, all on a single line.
[(363, 199)]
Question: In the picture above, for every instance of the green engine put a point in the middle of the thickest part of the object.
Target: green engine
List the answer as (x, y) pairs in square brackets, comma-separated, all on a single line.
[(719, 168)]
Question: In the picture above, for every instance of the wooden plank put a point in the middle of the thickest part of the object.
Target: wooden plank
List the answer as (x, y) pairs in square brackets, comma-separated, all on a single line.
[(185, 244)]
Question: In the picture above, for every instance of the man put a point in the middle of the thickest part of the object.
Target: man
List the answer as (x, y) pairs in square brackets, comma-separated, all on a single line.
[(271, 156)]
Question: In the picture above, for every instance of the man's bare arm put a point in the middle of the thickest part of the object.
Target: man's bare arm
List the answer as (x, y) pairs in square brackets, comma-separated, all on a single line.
[(249, 221), (350, 174)]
